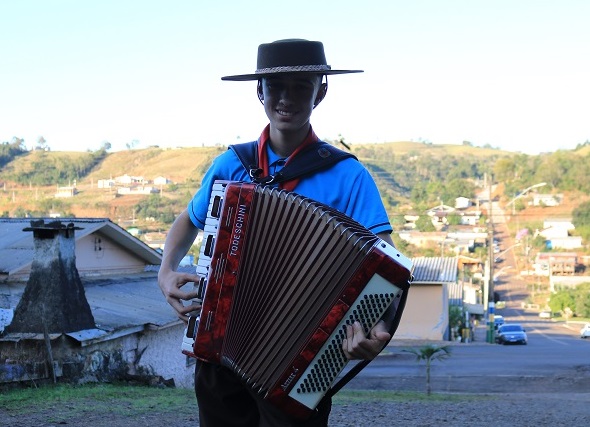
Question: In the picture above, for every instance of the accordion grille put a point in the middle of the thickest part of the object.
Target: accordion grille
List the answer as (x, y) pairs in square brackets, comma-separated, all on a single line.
[(330, 362)]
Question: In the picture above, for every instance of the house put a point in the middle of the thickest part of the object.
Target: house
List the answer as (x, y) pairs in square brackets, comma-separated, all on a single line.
[(565, 243), (138, 189), (438, 215), (131, 329), (470, 218), (556, 228), (102, 248), (410, 222), (161, 180), (557, 234), (426, 315), (105, 183), (65, 192), (423, 239), (547, 199), (462, 202), (555, 263), (127, 180)]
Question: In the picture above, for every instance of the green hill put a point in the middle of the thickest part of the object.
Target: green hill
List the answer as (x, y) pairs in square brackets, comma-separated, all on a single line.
[(412, 176)]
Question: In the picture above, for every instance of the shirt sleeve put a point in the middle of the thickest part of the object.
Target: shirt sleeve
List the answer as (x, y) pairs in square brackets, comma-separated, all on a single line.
[(226, 166), (366, 205)]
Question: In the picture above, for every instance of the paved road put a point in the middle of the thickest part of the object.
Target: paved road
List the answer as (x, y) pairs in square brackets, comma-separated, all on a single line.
[(556, 359)]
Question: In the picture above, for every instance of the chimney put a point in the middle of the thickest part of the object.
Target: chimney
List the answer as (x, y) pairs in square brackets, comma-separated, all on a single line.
[(54, 299)]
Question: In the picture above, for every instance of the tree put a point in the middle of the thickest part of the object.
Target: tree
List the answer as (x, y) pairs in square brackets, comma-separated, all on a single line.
[(18, 143), (429, 353), (41, 144), (581, 220), (582, 298), (562, 300), (424, 223), (131, 145), (106, 146)]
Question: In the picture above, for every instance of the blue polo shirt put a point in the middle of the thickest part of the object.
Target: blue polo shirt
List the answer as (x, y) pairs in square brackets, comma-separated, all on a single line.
[(346, 186)]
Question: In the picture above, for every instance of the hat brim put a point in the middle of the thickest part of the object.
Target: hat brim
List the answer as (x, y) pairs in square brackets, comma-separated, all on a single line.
[(258, 76)]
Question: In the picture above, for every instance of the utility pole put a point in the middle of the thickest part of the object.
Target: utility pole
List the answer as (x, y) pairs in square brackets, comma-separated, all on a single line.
[(490, 331)]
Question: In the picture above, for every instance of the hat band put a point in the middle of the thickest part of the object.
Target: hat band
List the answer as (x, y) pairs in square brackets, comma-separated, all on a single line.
[(293, 69)]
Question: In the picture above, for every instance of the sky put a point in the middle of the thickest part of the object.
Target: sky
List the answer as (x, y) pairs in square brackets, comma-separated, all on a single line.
[(511, 74)]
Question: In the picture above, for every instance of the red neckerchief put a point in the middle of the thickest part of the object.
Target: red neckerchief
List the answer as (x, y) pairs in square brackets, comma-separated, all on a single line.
[(311, 138)]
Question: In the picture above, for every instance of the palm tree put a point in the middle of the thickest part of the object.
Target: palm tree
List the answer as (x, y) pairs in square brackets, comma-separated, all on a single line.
[(430, 353)]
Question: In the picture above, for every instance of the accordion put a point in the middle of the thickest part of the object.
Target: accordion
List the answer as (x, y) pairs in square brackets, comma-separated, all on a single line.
[(281, 277)]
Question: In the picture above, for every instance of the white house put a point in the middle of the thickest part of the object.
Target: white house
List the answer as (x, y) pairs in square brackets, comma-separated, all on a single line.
[(138, 190), (65, 192), (161, 180), (106, 183), (547, 199), (126, 179), (557, 234), (462, 203), (470, 218)]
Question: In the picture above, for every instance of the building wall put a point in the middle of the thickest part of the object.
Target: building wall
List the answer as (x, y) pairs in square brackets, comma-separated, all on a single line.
[(147, 354), (426, 315), (96, 252), (163, 355)]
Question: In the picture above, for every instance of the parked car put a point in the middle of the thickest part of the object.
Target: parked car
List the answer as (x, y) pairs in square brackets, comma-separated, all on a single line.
[(545, 315), (511, 333), (498, 320), (585, 331)]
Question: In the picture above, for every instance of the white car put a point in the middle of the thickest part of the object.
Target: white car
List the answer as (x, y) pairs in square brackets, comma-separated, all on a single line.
[(545, 315), (585, 331)]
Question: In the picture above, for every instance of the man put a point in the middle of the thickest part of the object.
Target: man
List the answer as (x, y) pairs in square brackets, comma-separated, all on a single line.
[(290, 75)]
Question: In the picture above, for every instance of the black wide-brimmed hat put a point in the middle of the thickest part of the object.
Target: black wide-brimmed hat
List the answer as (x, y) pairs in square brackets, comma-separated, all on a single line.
[(290, 56)]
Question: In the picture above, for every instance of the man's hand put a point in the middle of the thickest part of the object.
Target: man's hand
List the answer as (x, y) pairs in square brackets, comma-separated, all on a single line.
[(170, 283), (358, 346), (178, 241)]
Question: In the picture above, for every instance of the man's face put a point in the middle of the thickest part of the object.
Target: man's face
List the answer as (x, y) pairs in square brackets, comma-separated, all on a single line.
[(290, 99)]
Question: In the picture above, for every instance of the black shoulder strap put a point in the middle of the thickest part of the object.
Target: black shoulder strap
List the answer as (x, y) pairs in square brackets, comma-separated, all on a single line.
[(316, 157), (248, 155)]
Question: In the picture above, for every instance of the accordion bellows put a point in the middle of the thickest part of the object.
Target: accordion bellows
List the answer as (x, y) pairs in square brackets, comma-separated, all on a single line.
[(283, 276)]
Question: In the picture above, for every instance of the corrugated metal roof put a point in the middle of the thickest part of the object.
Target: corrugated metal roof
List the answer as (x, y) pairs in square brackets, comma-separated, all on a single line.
[(435, 270), (17, 247), (119, 305)]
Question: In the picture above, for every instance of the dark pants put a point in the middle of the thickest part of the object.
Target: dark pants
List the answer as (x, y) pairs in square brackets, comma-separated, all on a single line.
[(224, 401)]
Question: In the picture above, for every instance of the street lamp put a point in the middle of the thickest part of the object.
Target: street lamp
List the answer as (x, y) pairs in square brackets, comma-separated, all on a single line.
[(500, 272), (506, 250), (522, 193)]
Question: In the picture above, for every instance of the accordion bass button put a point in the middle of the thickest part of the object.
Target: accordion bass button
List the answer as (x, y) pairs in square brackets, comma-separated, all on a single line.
[(193, 325)]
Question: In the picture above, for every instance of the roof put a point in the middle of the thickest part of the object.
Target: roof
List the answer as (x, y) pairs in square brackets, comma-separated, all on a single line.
[(435, 270), (556, 255), (120, 305), (17, 247)]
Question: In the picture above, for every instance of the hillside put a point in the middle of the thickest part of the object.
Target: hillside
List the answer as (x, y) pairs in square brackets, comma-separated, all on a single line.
[(404, 171), (183, 167)]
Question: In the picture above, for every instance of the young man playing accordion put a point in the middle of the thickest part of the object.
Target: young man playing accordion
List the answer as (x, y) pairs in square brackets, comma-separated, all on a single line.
[(291, 83)]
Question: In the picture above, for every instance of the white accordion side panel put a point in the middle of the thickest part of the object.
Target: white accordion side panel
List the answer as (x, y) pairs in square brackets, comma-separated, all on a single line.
[(321, 373)]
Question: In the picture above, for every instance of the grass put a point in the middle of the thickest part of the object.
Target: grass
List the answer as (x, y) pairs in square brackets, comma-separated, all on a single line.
[(127, 400), (110, 398)]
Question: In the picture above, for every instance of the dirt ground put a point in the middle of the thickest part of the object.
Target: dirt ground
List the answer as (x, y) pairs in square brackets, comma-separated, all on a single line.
[(567, 404), (496, 410)]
